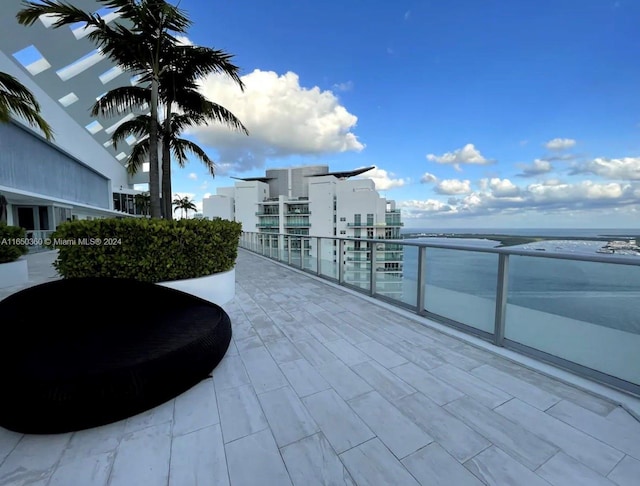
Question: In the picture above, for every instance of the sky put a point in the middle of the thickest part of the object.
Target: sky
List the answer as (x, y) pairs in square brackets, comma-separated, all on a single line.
[(475, 113)]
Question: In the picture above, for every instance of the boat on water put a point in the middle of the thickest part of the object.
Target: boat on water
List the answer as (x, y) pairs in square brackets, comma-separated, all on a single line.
[(626, 247)]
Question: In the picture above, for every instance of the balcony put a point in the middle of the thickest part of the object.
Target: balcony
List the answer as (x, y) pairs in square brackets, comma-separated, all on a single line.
[(324, 384)]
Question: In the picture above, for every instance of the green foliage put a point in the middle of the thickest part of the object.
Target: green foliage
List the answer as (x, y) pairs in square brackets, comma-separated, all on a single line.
[(150, 250), (12, 243)]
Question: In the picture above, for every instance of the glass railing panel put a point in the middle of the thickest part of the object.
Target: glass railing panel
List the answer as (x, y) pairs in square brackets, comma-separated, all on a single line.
[(584, 312), (309, 260), (408, 259), (357, 273), (461, 285), (329, 257), (390, 282)]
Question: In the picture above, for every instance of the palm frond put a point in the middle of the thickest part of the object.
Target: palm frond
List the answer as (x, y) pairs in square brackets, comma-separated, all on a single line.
[(138, 156), (181, 146), (16, 99), (120, 100), (64, 11), (138, 127)]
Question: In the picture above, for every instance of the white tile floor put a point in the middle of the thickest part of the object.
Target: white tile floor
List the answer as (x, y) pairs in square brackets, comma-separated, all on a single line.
[(321, 386)]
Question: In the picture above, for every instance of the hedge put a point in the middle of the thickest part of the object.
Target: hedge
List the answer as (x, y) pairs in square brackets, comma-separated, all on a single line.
[(12, 243), (151, 250)]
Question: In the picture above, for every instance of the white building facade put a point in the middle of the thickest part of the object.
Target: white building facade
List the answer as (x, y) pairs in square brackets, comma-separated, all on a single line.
[(79, 174), (318, 208)]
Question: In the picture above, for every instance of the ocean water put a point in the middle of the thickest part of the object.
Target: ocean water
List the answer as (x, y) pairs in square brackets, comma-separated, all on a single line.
[(603, 294)]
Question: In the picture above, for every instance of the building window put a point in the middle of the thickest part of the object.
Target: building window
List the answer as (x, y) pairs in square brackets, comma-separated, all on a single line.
[(343, 232), (343, 219), (357, 218), (369, 219)]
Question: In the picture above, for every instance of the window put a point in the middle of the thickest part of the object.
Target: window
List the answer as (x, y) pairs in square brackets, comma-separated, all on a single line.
[(343, 232), (343, 219), (369, 219)]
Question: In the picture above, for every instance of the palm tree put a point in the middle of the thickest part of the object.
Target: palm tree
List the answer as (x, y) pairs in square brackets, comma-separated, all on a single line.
[(184, 204), (16, 99), (142, 202), (138, 42), (179, 147), (178, 87)]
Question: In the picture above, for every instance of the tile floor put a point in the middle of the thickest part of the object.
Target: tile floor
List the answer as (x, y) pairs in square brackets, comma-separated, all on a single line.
[(320, 386)]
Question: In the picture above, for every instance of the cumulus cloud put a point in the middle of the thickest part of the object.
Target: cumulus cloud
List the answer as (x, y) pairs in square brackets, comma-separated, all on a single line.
[(538, 167), (384, 180), (428, 178), (501, 196), (560, 143), (415, 208), (581, 191), (453, 186), (627, 168), (465, 155), (193, 176), (283, 119), (500, 187)]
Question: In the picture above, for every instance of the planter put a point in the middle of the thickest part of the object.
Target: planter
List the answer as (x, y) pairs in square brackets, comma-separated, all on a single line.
[(14, 273), (218, 288)]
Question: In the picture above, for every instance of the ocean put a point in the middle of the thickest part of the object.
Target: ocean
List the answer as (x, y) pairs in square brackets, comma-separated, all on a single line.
[(604, 294)]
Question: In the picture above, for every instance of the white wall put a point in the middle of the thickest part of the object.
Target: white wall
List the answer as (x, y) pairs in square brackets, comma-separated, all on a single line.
[(218, 207), (321, 194), (247, 196)]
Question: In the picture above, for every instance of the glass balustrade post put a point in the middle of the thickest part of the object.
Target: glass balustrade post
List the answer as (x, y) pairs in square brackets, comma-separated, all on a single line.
[(289, 250), (318, 255), (501, 298), (422, 278), (372, 270), (340, 262)]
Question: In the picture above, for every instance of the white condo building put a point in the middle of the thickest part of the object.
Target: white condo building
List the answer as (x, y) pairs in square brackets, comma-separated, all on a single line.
[(79, 174), (310, 201)]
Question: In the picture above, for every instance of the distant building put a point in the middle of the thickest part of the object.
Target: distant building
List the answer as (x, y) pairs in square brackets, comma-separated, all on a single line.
[(311, 201)]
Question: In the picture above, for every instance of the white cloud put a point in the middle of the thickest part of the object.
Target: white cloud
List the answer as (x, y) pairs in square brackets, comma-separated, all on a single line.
[(560, 143), (346, 86), (453, 186), (502, 187), (384, 180), (283, 119), (627, 168), (538, 167), (428, 178), (407, 15), (193, 176), (582, 191), (465, 155), (500, 196), (416, 208)]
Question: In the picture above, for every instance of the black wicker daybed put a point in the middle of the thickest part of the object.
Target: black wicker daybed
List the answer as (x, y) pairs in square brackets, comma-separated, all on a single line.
[(78, 353)]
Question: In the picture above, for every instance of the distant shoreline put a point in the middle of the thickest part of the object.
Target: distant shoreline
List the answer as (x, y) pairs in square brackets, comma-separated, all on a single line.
[(511, 240)]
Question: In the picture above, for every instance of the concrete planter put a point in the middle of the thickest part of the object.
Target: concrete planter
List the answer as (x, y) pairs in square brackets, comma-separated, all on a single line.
[(218, 288), (14, 273)]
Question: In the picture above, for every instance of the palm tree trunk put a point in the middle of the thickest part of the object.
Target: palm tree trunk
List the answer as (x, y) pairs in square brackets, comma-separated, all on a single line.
[(154, 176), (166, 164)]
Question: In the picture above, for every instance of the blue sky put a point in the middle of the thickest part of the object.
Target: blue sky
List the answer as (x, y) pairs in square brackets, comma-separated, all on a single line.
[(476, 113)]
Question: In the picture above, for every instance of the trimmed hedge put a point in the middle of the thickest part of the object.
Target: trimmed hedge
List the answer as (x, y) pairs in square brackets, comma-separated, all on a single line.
[(151, 250), (12, 243)]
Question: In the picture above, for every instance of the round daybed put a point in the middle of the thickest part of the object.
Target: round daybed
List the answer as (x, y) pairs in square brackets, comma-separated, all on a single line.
[(78, 353)]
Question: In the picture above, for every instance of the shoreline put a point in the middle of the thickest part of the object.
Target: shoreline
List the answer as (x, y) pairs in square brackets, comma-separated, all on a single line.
[(513, 240)]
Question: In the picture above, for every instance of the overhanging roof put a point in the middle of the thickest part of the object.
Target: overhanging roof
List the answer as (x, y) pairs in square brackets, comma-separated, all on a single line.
[(70, 70), (346, 174)]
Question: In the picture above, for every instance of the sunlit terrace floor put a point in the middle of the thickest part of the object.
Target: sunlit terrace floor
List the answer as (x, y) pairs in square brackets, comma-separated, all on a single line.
[(323, 386)]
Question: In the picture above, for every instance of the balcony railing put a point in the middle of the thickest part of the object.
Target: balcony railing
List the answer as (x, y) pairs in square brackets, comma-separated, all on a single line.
[(577, 311)]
